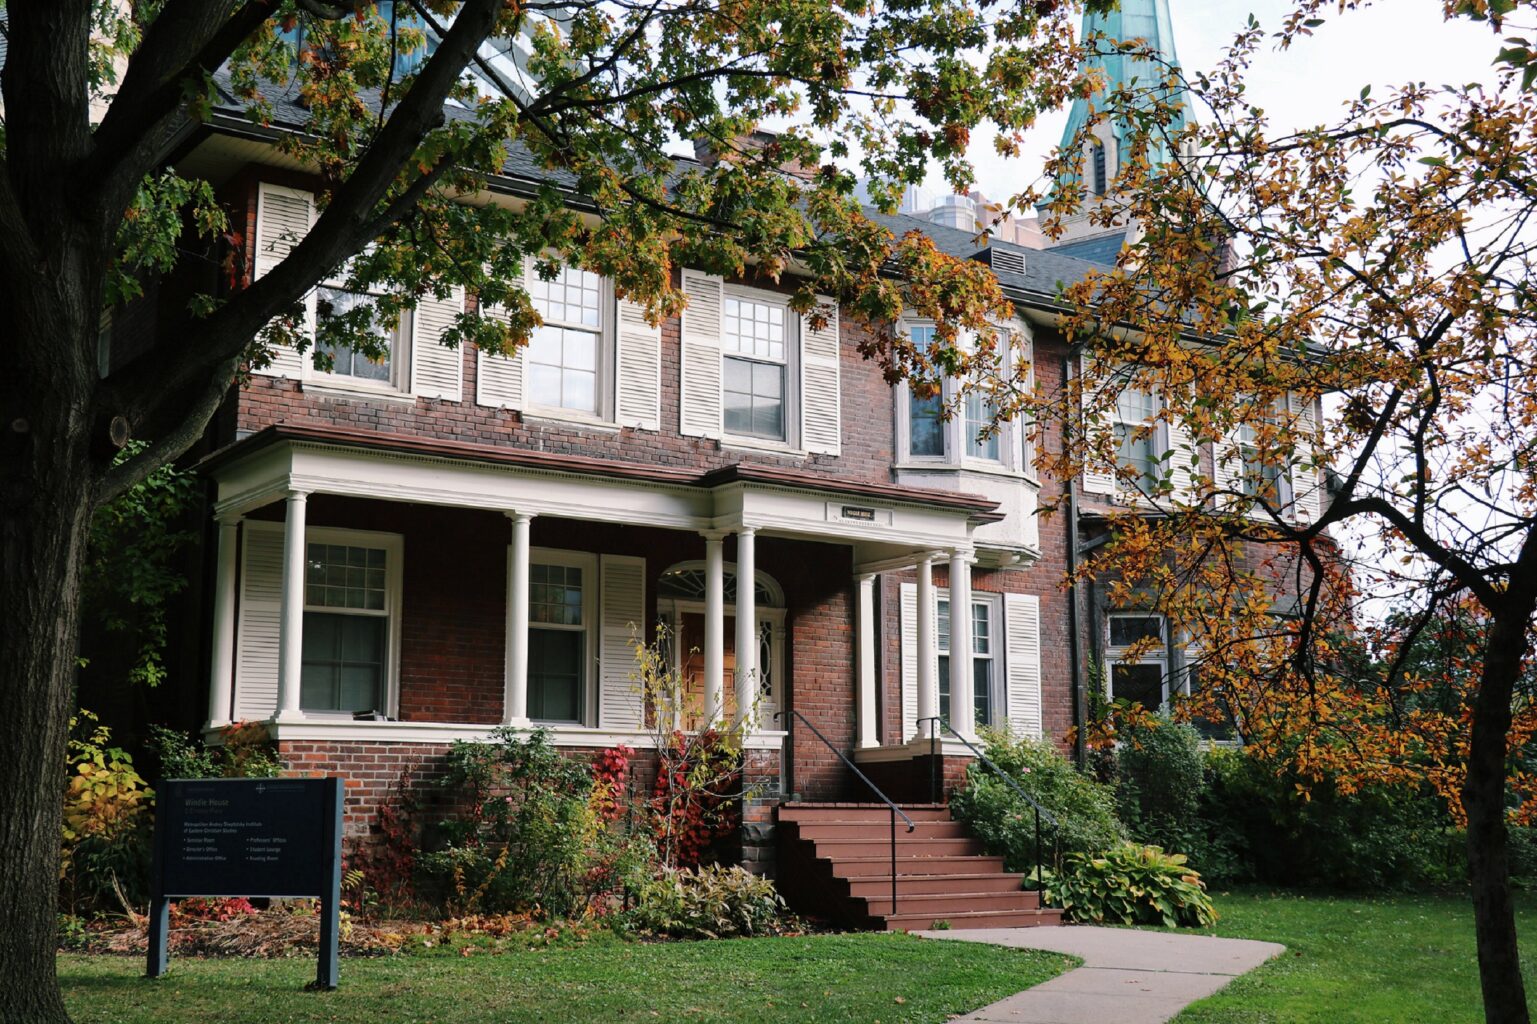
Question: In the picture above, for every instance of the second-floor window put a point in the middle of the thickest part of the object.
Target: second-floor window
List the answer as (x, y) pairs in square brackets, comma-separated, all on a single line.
[(334, 301), (925, 413), (1136, 438), (755, 368), (970, 433), (565, 355)]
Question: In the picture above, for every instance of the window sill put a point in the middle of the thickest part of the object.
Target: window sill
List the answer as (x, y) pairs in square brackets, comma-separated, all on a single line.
[(749, 444), (541, 417), (984, 468), (358, 393), (345, 730)]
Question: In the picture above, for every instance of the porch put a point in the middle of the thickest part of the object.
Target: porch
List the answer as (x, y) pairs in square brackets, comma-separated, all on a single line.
[(380, 591)]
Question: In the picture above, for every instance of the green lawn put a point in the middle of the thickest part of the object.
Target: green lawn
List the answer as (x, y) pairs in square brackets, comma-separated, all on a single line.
[(1358, 960), (886, 978)]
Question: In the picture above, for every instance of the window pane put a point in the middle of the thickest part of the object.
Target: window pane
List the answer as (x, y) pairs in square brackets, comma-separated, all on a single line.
[(555, 595), (336, 577), (768, 417), (343, 662), (755, 329), (979, 416), (1142, 684), (753, 396), (944, 624), (981, 628), (562, 365), (925, 425), (944, 694), (1126, 630), (331, 304), (555, 674), (982, 691)]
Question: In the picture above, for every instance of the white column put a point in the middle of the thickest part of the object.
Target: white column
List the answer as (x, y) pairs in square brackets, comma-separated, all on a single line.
[(928, 682), (714, 628), (864, 615), (746, 628), (962, 679), (222, 672), (291, 625), (515, 692)]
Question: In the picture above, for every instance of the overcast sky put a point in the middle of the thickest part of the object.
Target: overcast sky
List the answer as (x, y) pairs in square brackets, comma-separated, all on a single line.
[(1392, 42)]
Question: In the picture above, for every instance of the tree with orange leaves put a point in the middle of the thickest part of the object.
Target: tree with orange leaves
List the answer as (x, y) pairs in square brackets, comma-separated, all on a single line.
[(1338, 327)]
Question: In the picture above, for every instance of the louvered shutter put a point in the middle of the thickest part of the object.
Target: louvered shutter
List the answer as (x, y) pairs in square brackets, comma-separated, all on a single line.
[(436, 372), (1227, 470), (699, 399), (1181, 450), (499, 379), (821, 389), (283, 218), (261, 599), (638, 389), (1096, 479), (621, 704), (908, 613), (1307, 485), (1022, 649)]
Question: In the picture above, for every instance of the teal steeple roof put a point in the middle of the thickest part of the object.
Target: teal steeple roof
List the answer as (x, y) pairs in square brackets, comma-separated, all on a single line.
[(1131, 20)]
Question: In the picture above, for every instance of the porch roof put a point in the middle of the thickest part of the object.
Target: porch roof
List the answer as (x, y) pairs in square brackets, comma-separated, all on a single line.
[(978, 509)]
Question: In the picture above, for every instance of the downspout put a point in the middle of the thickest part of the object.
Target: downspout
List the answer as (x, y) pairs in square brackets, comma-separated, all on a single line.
[(1074, 639)]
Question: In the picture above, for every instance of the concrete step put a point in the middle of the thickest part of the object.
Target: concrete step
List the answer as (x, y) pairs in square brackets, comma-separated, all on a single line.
[(906, 922), (946, 903), (825, 830), (861, 813), (982, 881), (867, 866), (907, 846)]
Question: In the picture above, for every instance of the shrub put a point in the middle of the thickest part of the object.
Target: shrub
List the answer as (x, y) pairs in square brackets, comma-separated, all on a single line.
[(529, 833), (1131, 884), (708, 902), (1084, 809), (1160, 775), (244, 752), (105, 841)]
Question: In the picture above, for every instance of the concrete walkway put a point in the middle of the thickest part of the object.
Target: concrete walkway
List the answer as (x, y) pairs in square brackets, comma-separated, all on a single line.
[(1127, 977)]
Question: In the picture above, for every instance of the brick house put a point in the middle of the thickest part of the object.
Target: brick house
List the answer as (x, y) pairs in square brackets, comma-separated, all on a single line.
[(418, 551)]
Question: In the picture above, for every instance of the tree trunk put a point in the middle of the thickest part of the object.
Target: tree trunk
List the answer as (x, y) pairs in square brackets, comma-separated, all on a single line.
[(1483, 797), (46, 502)]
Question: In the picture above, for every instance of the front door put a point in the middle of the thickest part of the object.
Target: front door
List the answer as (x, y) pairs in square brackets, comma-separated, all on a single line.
[(690, 641)]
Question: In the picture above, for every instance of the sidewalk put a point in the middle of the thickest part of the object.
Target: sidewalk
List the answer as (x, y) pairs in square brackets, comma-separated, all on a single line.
[(1129, 977)]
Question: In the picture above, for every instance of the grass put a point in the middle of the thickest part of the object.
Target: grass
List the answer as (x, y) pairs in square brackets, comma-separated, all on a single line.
[(885, 978), (1358, 960)]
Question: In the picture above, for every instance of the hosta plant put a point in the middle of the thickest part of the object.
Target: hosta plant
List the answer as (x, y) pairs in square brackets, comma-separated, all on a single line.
[(707, 902), (1130, 884)]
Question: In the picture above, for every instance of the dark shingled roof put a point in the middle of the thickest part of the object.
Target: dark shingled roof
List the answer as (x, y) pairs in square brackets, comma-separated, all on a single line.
[(1102, 249)]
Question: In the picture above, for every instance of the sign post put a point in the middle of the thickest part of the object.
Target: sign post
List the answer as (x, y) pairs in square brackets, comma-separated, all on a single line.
[(278, 838)]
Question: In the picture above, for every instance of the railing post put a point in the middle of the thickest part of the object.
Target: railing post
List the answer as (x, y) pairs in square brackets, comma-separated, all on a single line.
[(893, 861), (933, 764)]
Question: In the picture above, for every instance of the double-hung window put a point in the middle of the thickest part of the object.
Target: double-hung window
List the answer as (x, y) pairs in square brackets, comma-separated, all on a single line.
[(340, 308), (560, 611), (349, 599), (984, 659), (1136, 436), (1138, 657), (566, 356), (981, 435), (756, 367)]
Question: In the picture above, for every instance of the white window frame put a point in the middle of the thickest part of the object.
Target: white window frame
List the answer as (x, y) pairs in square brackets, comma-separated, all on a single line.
[(393, 545), (1010, 439), (1118, 654), (605, 385), (998, 691), (399, 382), (791, 440), (587, 562)]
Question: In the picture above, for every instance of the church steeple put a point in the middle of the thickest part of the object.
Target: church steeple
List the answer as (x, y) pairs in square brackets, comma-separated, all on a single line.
[(1131, 20)]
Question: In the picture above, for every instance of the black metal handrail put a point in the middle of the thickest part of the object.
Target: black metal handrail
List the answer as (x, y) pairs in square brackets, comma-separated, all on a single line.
[(895, 810), (1008, 780)]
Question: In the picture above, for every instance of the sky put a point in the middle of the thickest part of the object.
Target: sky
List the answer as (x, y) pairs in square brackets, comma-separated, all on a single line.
[(1392, 42)]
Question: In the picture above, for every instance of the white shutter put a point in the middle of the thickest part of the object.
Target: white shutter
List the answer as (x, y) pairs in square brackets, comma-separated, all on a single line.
[(499, 379), (821, 390), (1182, 451), (261, 599), (621, 704), (283, 218), (638, 367), (1227, 471), (436, 372), (1022, 648), (699, 400), (908, 609), (1307, 489), (1096, 479)]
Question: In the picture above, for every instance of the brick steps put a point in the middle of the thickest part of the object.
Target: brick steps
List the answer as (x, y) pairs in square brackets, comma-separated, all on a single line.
[(835, 862)]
